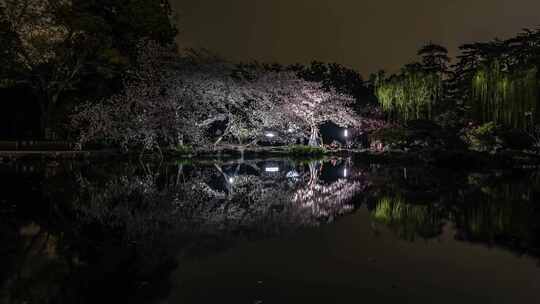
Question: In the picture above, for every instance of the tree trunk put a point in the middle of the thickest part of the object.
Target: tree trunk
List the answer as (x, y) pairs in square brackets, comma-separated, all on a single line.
[(314, 171), (179, 170), (179, 139), (314, 137), (224, 132)]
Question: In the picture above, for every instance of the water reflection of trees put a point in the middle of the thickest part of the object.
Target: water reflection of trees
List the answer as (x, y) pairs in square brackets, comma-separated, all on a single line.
[(120, 228), (408, 220), (131, 222), (218, 198), (495, 209), (502, 211)]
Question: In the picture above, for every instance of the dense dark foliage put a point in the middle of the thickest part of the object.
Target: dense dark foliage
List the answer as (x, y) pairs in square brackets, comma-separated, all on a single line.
[(68, 51), (338, 77)]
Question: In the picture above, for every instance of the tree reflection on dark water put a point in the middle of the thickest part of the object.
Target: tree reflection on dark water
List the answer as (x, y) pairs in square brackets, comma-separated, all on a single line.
[(95, 232)]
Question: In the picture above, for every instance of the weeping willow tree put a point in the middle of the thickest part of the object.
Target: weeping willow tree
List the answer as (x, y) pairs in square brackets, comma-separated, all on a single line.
[(506, 97), (499, 80), (409, 95)]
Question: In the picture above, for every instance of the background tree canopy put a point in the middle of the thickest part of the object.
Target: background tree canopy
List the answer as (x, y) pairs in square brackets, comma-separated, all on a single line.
[(412, 93), (499, 80), (495, 81), (68, 50)]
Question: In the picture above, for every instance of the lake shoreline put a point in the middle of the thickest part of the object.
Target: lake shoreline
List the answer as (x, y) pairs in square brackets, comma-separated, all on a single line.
[(432, 157)]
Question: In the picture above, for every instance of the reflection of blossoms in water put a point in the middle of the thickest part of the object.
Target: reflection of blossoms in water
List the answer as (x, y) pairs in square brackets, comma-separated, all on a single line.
[(328, 200), (274, 205), (134, 224), (195, 211), (131, 203), (142, 205)]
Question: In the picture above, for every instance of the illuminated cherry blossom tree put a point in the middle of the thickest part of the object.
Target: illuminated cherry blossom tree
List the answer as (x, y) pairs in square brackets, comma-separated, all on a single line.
[(170, 99), (142, 115), (314, 106), (210, 93), (308, 105)]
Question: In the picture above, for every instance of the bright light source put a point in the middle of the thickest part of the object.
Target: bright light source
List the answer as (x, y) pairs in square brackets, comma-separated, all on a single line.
[(293, 174), (271, 169), (291, 130), (346, 133), (345, 172), (231, 180), (270, 135)]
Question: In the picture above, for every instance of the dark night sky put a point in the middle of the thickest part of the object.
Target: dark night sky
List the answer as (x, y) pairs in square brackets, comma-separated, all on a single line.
[(367, 35)]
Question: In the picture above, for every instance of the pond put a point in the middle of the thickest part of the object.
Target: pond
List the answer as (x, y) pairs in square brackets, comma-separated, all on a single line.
[(267, 231)]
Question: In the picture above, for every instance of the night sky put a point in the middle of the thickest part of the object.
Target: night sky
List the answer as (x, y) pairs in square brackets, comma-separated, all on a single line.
[(367, 35)]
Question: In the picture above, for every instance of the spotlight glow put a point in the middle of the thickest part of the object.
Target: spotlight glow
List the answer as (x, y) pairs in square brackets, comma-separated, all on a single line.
[(271, 169), (293, 174)]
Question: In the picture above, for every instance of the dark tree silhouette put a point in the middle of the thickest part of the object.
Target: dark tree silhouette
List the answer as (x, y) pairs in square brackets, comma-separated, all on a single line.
[(434, 58), (338, 77)]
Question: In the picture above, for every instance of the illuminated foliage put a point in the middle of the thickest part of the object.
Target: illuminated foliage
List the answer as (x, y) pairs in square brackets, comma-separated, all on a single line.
[(498, 80), (409, 95), (171, 99), (312, 105), (505, 97), (142, 116), (483, 138), (413, 93)]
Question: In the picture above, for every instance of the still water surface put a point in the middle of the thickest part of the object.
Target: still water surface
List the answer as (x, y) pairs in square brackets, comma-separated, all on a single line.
[(267, 231)]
